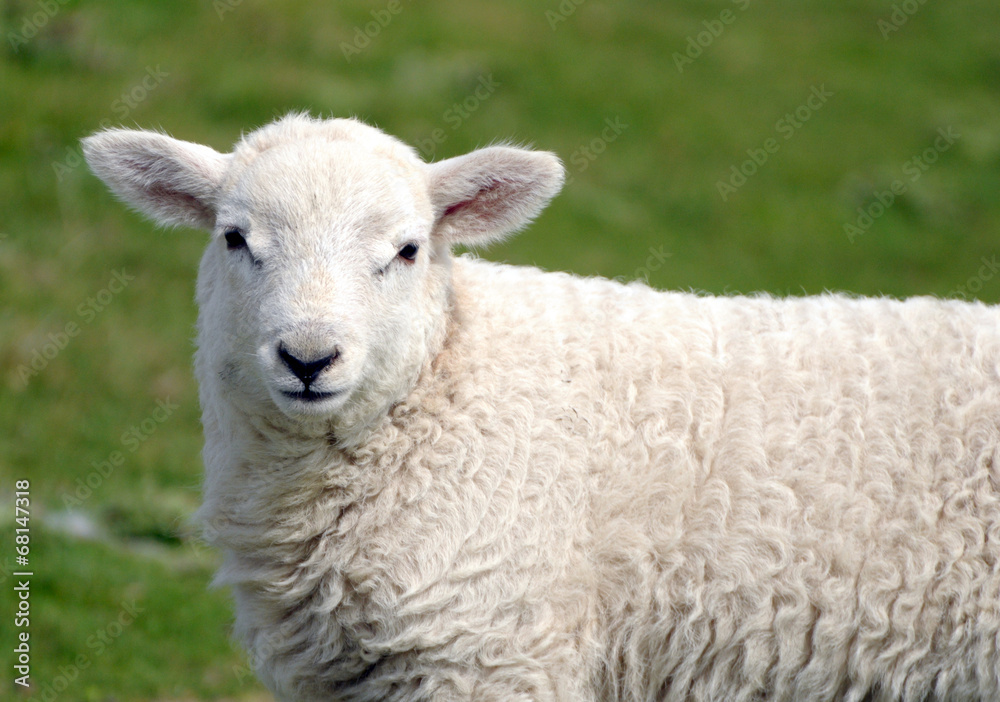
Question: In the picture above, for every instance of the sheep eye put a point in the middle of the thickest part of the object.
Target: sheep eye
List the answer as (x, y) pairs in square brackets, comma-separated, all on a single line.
[(235, 240), (409, 252)]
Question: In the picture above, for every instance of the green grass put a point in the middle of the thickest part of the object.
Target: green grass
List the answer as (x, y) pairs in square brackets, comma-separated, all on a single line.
[(654, 188)]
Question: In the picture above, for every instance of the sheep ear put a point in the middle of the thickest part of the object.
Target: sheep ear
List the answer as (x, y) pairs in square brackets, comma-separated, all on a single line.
[(171, 181), (485, 195)]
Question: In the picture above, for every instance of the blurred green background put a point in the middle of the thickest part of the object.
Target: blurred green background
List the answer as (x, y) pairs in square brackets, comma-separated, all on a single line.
[(794, 146)]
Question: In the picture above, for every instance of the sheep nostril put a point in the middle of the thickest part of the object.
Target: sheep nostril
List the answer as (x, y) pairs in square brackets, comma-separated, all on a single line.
[(306, 371)]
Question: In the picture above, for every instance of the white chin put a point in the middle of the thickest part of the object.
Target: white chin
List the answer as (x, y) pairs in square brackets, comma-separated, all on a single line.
[(310, 403)]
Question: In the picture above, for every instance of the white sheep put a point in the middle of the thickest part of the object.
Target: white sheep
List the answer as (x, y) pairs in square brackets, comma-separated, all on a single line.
[(437, 478)]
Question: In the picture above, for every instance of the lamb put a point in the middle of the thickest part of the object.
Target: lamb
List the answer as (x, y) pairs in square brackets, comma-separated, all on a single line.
[(439, 478)]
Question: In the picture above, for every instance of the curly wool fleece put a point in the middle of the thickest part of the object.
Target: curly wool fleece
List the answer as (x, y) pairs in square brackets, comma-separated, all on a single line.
[(544, 487)]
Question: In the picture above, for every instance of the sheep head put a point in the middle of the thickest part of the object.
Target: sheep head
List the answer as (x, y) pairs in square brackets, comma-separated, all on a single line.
[(327, 272)]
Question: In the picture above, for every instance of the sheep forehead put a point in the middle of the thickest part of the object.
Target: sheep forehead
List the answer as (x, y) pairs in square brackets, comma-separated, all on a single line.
[(298, 127), (315, 185)]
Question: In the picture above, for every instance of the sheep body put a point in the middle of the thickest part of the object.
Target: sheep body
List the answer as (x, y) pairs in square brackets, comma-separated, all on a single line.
[(606, 492), (592, 491)]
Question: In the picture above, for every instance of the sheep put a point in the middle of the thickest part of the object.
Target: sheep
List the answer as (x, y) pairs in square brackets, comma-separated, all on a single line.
[(435, 477)]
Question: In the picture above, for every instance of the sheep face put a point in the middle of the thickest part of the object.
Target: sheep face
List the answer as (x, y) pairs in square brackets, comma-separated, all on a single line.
[(326, 279), (324, 254)]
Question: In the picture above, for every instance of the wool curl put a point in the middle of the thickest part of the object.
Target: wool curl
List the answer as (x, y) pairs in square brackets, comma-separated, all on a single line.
[(565, 488), (599, 492)]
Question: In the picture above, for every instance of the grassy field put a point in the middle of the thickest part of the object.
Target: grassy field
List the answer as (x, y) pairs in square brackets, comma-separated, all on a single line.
[(727, 146)]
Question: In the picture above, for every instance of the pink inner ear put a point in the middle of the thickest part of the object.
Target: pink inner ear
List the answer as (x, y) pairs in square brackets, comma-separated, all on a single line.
[(171, 197), (485, 195), (477, 202), (452, 209)]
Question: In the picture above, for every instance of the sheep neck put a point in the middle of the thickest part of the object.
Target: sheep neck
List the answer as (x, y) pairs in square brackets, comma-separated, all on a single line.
[(268, 476)]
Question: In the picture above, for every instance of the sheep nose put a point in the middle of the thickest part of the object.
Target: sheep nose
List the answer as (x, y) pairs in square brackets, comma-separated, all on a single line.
[(306, 371)]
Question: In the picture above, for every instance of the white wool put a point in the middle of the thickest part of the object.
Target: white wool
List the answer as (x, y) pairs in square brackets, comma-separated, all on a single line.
[(516, 485)]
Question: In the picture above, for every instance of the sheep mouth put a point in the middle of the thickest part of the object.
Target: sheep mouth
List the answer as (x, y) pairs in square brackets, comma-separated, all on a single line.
[(309, 395)]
